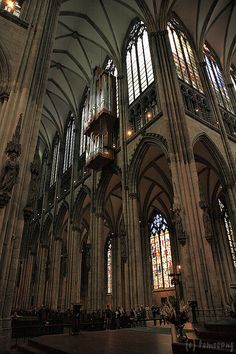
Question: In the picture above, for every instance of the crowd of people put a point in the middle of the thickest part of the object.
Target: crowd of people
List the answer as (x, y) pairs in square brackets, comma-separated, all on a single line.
[(110, 318)]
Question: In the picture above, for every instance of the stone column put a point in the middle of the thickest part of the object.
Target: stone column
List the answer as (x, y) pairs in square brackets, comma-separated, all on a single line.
[(41, 275), (25, 283), (147, 265), (26, 97), (75, 267), (56, 273), (195, 252), (97, 251), (135, 261), (123, 119)]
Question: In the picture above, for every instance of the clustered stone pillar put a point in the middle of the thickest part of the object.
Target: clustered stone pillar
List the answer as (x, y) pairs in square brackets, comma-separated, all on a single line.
[(26, 97), (195, 248), (135, 253)]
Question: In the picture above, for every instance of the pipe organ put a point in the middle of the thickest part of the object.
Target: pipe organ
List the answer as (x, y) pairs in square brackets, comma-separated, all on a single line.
[(99, 118)]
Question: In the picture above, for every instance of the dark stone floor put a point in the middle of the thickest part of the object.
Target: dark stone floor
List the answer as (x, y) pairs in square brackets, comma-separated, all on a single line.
[(124, 341)]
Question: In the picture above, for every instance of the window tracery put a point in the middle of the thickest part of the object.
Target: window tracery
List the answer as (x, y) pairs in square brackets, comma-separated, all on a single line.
[(161, 256), (183, 55), (229, 230), (217, 80), (138, 61)]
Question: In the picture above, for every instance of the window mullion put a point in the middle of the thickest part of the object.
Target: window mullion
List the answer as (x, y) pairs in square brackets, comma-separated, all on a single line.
[(177, 52), (185, 61), (132, 74), (138, 68), (145, 63)]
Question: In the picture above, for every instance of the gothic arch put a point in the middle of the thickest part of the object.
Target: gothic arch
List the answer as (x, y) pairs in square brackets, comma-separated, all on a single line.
[(221, 165), (139, 153), (34, 238), (45, 230), (60, 219), (103, 183), (78, 204)]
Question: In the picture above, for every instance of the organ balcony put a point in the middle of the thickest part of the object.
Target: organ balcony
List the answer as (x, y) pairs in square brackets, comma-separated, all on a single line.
[(101, 105), (99, 151)]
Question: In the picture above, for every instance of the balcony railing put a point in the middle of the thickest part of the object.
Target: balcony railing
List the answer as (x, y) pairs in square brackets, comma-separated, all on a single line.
[(144, 109), (196, 103), (229, 120)]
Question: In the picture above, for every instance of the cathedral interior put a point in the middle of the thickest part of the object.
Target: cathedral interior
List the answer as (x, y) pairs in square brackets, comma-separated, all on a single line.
[(117, 157)]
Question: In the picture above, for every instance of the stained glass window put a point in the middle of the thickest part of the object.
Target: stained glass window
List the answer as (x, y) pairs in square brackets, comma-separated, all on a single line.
[(229, 230), (11, 6), (69, 144), (217, 80), (184, 59), (233, 76), (109, 267), (138, 61), (55, 161), (160, 253)]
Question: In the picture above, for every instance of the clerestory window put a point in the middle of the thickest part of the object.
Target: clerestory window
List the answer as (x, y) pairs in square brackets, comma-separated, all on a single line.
[(138, 61), (11, 6), (217, 80), (229, 230), (183, 55)]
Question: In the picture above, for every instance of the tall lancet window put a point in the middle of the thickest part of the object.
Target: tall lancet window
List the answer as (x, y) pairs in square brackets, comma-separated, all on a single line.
[(138, 61), (160, 253), (233, 76), (55, 160), (217, 80), (184, 59), (229, 230), (11, 6), (109, 266), (69, 144)]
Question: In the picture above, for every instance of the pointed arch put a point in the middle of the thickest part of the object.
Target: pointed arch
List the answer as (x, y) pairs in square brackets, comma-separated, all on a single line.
[(45, 230), (60, 218), (139, 153), (222, 167), (78, 205)]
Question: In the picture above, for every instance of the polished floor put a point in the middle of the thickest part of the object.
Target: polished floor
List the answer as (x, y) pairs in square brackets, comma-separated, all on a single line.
[(140, 340)]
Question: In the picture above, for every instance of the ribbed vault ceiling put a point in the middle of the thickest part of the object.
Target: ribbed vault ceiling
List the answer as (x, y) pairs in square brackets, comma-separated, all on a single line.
[(90, 30)]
